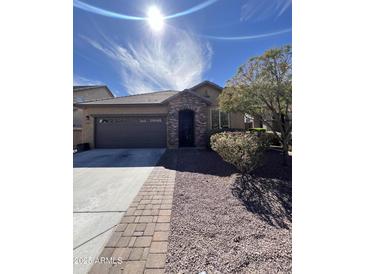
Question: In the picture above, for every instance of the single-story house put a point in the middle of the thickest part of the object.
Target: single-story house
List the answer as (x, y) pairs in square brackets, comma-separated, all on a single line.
[(85, 94), (166, 118)]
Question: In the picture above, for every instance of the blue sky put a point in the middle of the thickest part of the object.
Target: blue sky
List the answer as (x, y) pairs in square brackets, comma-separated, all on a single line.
[(200, 40)]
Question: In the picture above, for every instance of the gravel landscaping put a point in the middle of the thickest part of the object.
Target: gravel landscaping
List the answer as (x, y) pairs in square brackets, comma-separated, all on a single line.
[(223, 223)]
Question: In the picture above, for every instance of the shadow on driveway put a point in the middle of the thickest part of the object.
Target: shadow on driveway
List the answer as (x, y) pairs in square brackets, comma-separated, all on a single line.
[(117, 158), (196, 161)]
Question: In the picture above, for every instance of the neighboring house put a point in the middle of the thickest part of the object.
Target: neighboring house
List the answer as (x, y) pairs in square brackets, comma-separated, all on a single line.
[(83, 94), (159, 119)]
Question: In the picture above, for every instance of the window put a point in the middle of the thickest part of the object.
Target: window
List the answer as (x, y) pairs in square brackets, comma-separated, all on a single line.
[(215, 118), (155, 120), (111, 120), (224, 120), (219, 119)]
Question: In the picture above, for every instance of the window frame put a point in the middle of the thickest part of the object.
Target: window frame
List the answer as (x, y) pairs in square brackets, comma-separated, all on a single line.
[(219, 118)]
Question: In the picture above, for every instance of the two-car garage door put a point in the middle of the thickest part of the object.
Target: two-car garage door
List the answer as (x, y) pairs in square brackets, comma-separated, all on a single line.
[(130, 132)]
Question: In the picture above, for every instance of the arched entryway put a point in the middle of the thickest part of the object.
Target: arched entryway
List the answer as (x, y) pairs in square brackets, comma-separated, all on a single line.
[(186, 128)]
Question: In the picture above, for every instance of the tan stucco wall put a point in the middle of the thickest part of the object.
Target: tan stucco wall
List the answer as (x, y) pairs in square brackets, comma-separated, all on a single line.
[(237, 120), (212, 93), (88, 124), (77, 114), (77, 136)]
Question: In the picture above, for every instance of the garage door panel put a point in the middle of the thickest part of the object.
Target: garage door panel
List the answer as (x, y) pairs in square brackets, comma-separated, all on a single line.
[(130, 132)]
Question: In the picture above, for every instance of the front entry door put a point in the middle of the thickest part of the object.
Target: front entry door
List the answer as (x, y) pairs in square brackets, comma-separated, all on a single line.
[(186, 128)]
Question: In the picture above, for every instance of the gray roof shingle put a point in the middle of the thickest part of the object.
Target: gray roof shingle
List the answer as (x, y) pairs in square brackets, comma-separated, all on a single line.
[(157, 97), (145, 98)]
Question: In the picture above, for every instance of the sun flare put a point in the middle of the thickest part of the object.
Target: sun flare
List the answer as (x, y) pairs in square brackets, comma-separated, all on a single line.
[(155, 19)]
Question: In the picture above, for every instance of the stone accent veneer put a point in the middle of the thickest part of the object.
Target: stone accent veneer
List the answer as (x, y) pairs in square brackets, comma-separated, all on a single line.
[(184, 101)]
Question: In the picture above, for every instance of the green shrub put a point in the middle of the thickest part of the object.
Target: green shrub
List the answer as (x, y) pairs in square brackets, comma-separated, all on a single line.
[(243, 150), (215, 131)]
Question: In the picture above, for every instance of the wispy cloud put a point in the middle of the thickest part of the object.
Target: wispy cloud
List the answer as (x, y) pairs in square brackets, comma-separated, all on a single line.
[(259, 10), (83, 81), (156, 63)]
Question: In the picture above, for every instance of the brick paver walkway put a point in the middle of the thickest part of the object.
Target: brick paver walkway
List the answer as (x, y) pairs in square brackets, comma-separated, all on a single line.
[(141, 238)]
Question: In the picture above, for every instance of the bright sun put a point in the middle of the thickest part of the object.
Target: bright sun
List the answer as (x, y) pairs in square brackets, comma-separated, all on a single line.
[(155, 19)]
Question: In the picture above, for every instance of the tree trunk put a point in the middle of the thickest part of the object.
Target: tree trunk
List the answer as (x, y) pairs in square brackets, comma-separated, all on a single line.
[(285, 153), (285, 134)]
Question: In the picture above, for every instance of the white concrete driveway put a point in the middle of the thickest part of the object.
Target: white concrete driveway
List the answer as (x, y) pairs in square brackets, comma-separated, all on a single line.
[(105, 183)]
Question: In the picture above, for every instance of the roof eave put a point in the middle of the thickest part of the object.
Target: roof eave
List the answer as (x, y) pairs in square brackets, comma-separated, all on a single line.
[(117, 105)]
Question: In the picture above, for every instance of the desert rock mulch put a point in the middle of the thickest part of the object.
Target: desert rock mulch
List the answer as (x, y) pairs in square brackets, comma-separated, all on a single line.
[(224, 223)]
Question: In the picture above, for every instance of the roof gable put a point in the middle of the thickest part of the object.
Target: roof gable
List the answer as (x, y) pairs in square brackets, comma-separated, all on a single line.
[(189, 92), (207, 83)]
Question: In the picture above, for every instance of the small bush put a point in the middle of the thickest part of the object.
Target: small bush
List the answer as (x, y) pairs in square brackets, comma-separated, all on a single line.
[(215, 131), (243, 150), (257, 129)]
